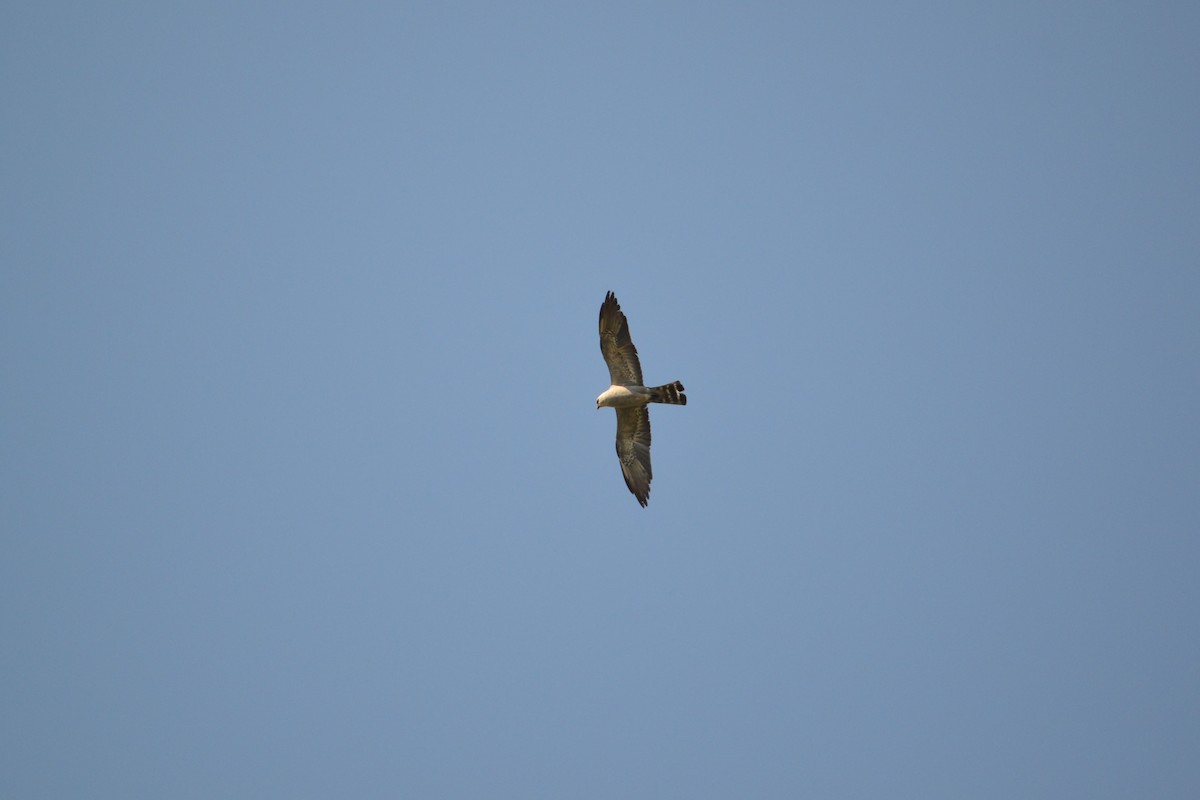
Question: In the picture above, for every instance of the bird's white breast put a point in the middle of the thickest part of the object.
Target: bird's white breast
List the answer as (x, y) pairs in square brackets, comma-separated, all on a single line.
[(623, 396)]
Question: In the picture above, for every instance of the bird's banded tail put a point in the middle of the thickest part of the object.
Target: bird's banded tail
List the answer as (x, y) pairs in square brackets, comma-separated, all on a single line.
[(670, 393)]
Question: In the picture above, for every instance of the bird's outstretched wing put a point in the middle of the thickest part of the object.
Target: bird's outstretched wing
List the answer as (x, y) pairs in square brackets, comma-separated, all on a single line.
[(633, 450), (619, 352)]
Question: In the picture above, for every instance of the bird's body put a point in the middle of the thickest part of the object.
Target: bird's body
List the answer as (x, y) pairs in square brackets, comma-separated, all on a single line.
[(623, 397), (629, 397), (620, 396)]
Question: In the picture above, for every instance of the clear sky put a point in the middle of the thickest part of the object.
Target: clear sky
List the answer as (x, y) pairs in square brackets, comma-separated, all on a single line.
[(303, 489)]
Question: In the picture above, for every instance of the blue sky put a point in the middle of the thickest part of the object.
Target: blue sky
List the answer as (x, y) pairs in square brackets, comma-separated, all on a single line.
[(304, 492)]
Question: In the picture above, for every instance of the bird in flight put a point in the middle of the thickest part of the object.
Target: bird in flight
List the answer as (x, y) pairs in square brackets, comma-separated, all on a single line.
[(629, 397)]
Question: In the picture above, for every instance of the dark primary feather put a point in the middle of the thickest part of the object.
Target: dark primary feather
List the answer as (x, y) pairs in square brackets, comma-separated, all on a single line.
[(616, 346)]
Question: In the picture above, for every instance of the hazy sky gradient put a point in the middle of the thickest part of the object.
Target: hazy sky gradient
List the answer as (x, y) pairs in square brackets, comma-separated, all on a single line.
[(303, 490)]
